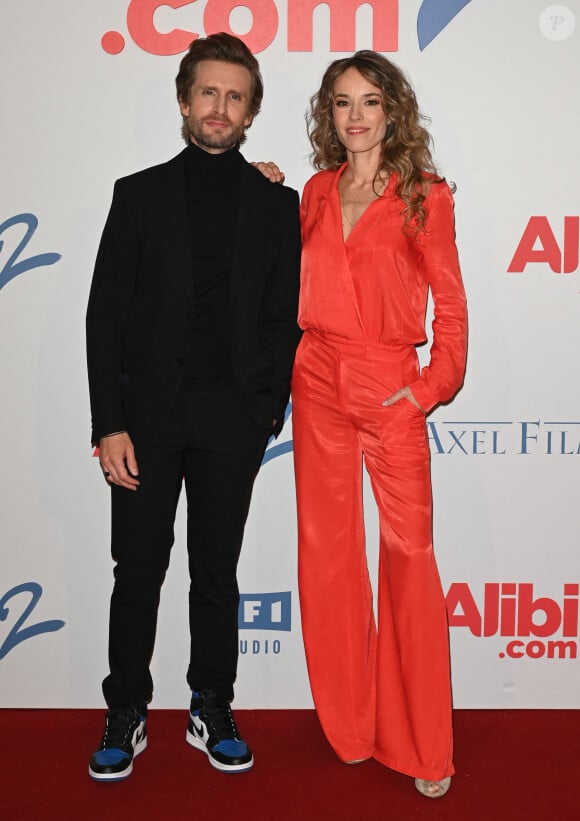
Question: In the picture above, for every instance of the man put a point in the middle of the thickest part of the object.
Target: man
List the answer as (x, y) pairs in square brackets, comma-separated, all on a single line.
[(191, 334)]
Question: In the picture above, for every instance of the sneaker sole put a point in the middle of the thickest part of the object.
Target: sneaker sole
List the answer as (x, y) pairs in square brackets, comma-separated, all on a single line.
[(123, 774), (196, 742)]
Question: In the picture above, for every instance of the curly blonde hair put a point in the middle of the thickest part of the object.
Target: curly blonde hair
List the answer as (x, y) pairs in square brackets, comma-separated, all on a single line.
[(406, 148)]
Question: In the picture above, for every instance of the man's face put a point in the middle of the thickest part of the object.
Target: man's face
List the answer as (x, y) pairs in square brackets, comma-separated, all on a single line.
[(217, 110)]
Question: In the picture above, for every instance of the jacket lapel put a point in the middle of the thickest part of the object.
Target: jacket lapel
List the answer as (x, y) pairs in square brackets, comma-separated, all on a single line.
[(174, 225), (249, 232)]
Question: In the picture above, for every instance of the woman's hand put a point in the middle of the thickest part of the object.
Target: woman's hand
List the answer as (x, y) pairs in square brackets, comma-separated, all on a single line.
[(404, 393), (270, 170)]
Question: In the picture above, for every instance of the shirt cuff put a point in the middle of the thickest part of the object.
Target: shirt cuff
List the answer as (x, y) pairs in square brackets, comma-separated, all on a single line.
[(422, 393)]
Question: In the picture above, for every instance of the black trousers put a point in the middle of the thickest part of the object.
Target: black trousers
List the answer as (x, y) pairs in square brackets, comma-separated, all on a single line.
[(212, 445)]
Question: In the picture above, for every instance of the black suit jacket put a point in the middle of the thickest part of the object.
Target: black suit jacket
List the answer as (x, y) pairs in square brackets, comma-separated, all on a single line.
[(141, 302)]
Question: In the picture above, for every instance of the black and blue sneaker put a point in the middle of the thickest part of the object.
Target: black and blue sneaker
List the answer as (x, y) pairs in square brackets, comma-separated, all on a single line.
[(125, 737), (213, 730)]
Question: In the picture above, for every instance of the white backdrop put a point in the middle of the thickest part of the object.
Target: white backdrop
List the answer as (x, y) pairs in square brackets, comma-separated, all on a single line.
[(499, 81)]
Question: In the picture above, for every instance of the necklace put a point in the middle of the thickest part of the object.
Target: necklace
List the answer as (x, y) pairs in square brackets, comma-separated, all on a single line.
[(347, 218), (366, 201), (357, 208), (353, 209)]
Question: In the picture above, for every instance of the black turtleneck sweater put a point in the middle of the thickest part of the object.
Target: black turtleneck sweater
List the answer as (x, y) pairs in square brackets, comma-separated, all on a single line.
[(212, 183)]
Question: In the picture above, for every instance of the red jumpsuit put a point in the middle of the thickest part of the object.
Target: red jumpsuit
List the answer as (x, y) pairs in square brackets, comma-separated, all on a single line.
[(379, 692)]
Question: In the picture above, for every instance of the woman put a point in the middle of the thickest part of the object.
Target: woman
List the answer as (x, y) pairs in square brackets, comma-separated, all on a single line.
[(378, 231)]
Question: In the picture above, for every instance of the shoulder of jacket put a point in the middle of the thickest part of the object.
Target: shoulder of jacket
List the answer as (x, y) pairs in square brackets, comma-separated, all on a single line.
[(322, 179), (150, 174), (271, 189), (439, 188), (319, 185)]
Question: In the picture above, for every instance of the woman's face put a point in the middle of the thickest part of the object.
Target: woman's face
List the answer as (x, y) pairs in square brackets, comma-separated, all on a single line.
[(358, 114)]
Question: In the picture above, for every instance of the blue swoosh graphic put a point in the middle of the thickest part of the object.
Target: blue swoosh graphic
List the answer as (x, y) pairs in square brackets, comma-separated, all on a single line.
[(277, 450), (283, 447), (434, 16)]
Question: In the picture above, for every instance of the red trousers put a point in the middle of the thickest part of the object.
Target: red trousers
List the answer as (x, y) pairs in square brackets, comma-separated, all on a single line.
[(386, 692)]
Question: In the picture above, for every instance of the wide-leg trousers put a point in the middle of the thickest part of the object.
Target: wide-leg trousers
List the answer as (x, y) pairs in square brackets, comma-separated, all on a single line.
[(385, 691), (213, 446)]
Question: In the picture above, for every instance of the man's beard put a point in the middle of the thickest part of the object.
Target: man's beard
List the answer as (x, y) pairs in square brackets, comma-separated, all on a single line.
[(205, 140)]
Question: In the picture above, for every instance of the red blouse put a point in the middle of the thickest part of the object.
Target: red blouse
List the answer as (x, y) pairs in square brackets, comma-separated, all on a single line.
[(373, 287)]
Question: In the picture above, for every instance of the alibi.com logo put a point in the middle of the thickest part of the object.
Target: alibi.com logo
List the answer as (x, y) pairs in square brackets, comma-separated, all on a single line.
[(530, 626), (264, 611), (548, 243), (149, 23)]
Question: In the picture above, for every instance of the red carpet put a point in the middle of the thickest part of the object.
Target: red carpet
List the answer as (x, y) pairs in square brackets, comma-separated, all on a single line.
[(511, 765)]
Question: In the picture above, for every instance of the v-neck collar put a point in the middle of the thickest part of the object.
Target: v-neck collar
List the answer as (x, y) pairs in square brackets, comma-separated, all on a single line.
[(362, 216)]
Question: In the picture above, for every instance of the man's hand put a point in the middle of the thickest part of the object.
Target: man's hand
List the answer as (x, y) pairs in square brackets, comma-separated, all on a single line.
[(118, 463), (270, 170), (404, 393)]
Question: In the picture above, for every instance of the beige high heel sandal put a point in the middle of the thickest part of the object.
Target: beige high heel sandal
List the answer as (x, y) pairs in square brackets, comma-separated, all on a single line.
[(433, 789)]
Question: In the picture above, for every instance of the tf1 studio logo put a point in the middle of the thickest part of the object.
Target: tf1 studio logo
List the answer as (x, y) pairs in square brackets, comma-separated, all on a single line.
[(264, 611), (144, 26), (530, 624)]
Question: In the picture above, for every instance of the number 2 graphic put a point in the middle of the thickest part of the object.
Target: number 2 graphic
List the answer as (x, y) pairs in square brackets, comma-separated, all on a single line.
[(19, 633), (12, 267)]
